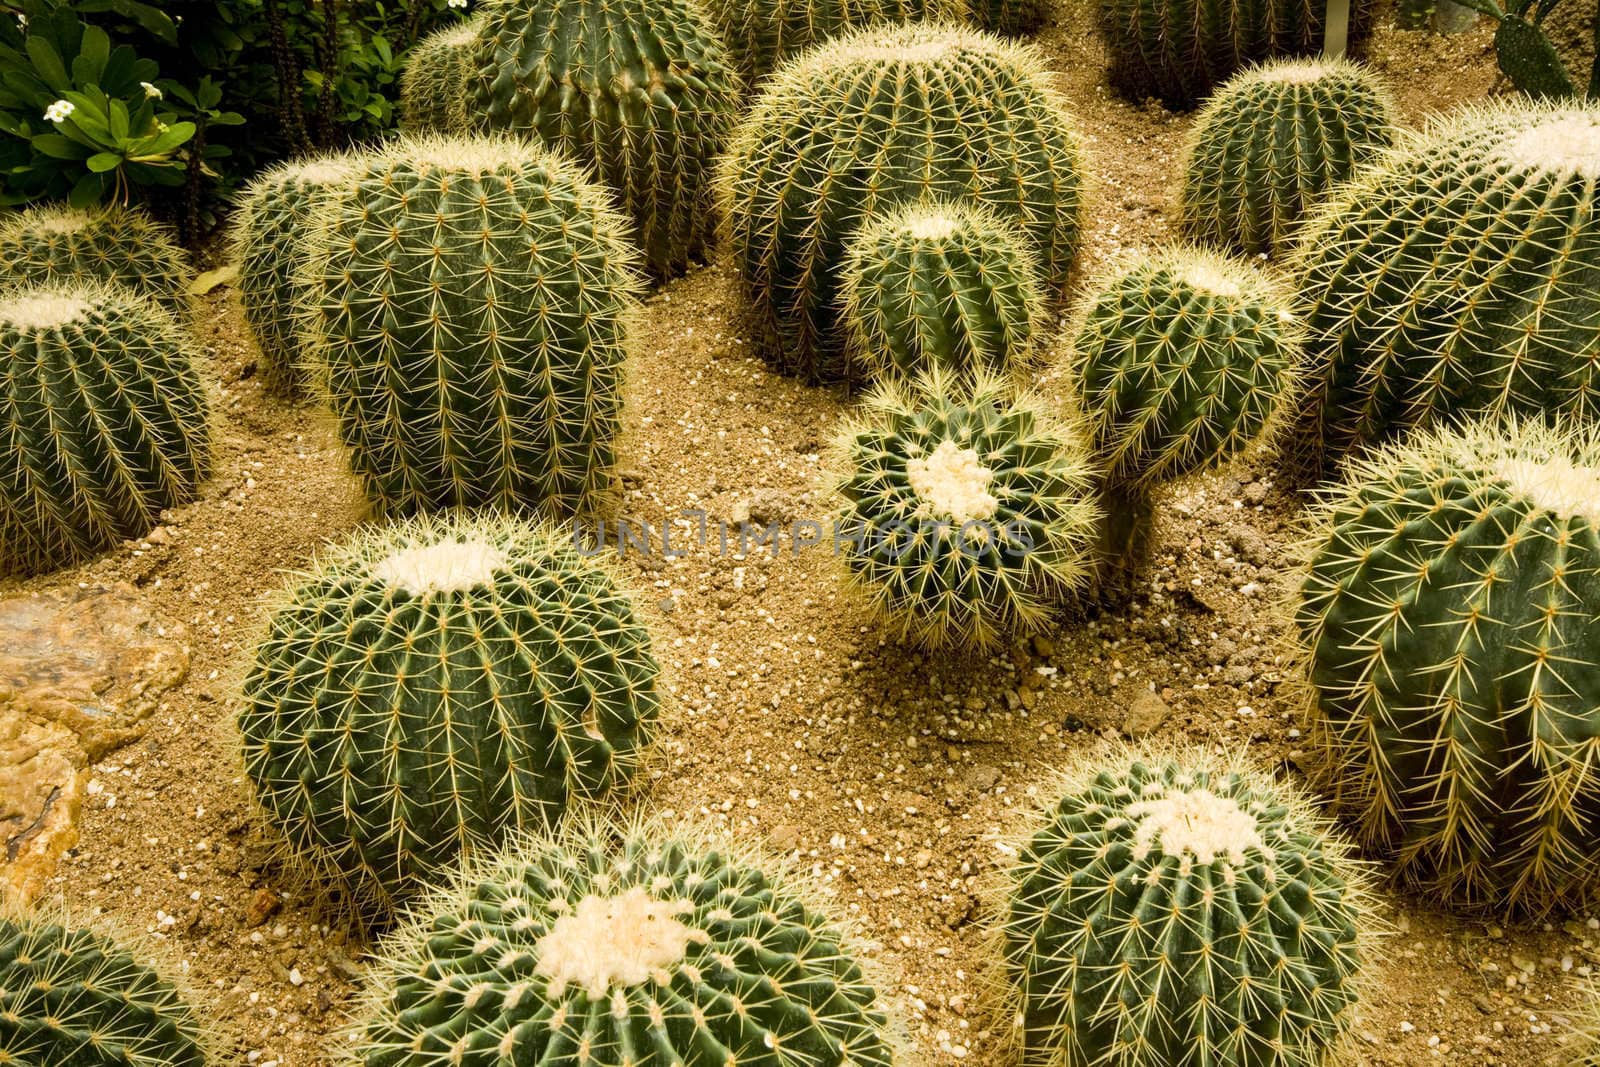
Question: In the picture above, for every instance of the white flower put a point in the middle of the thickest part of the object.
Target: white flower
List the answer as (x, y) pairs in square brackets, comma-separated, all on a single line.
[(455, 3), (59, 110), (151, 91)]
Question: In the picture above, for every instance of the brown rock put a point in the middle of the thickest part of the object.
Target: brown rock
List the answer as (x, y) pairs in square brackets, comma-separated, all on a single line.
[(43, 774), (1145, 715)]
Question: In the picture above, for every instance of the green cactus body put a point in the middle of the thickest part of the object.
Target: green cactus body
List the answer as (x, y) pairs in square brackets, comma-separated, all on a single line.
[(1272, 142), (275, 214), (1013, 18), (1171, 912), (1179, 50), (1449, 616), (762, 34), (608, 946), (73, 998), (468, 305), (872, 121), (435, 686), (121, 246), (1458, 274), (643, 91), (967, 512), (433, 85), (104, 420), (945, 283)]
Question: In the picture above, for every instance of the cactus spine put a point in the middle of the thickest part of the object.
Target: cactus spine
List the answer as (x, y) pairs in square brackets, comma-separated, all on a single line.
[(1448, 613), (948, 283), (70, 997), (275, 214), (1013, 18), (966, 512), (105, 419), (1171, 910), (571, 950), (762, 34), (1458, 274), (433, 85), (877, 119), (643, 91), (1272, 142), (54, 244), (468, 304), (435, 686)]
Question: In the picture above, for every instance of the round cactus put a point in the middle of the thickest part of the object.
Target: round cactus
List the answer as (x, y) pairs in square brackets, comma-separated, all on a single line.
[(70, 997), (123, 246), (105, 420), (468, 304), (1172, 910), (764, 33), (966, 511), (869, 122), (1272, 142), (1460, 273), (275, 213), (1449, 615), (1178, 50), (433, 84), (435, 685), (1013, 18), (644, 91), (606, 946), (947, 283)]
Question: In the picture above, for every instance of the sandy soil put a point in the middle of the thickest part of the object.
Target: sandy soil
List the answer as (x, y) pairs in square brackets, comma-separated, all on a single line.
[(890, 772)]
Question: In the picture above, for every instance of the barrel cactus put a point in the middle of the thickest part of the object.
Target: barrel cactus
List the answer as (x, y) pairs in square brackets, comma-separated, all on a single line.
[(467, 308), (872, 121), (967, 512), (1449, 619), (948, 283), (1172, 910), (434, 686), (72, 997), (105, 420), (607, 945), (275, 213), (123, 246), (1179, 50), (1460, 273), (1272, 142), (1014, 18), (764, 33), (433, 84), (643, 91)]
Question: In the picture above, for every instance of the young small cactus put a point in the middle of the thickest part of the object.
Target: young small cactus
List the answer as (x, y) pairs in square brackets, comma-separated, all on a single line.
[(275, 213), (940, 283), (434, 686), (967, 511), (55, 244), (604, 946), (1172, 909), (433, 85), (70, 997), (764, 33), (1448, 616), (1272, 142), (1459, 274), (871, 121), (642, 91), (104, 416), (467, 313)]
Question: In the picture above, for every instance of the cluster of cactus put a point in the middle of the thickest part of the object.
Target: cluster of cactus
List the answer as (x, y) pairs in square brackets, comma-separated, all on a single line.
[(71, 997), (432, 96), (1178, 50), (643, 91), (940, 283), (1173, 910), (105, 420), (762, 34), (607, 944), (967, 511), (1272, 142), (274, 215), (1459, 274), (434, 686), (865, 124), (56, 244), (468, 304), (1448, 616)]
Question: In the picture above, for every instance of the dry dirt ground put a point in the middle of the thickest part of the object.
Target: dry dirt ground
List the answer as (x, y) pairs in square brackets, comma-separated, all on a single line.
[(796, 724)]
